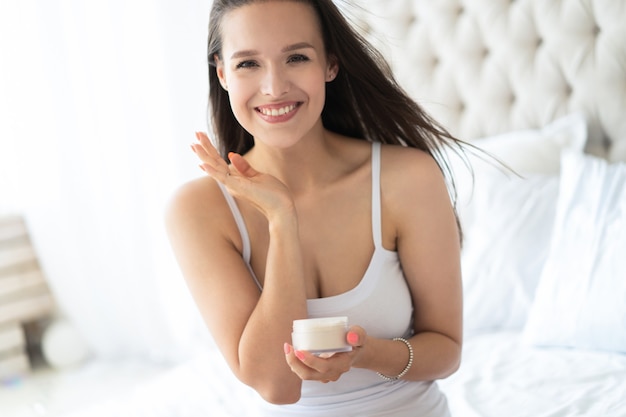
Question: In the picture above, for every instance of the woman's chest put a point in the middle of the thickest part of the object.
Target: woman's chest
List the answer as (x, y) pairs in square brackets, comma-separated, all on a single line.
[(335, 237)]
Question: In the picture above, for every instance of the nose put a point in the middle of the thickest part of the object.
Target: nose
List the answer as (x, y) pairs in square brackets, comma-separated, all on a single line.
[(275, 82)]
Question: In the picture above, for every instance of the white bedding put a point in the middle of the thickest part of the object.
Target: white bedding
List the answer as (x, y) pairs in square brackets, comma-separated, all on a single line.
[(202, 386), (499, 376)]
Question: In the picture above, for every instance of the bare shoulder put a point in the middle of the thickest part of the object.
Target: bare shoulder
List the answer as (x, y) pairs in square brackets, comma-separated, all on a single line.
[(414, 192), (198, 207), (195, 198), (405, 169)]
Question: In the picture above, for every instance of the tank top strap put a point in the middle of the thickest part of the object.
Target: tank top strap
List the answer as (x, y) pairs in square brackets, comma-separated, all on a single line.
[(376, 200), (243, 231)]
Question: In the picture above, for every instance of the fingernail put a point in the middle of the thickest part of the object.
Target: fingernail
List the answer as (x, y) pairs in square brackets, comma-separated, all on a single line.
[(193, 147), (202, 167), (287, 348), (353, 338), (299, 355)]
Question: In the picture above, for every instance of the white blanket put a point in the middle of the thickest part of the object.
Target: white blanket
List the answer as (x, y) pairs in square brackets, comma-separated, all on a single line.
[(498, 377)]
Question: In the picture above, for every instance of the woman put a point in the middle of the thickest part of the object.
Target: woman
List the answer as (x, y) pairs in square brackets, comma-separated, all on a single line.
[(304, 213)]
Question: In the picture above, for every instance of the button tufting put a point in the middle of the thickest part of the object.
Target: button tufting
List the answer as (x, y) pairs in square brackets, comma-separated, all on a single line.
[(596, 30), (519, 57)]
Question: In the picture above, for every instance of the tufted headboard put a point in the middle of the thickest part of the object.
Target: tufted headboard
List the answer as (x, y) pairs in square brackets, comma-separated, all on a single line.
[(483, 67)]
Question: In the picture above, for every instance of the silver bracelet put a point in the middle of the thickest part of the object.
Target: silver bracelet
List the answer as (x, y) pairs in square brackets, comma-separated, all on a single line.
[(408, 365)]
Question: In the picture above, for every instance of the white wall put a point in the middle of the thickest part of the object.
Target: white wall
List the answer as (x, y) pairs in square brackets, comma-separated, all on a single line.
[(99, 101)]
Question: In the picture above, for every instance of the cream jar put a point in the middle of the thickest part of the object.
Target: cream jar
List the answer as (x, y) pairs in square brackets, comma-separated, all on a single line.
[(321, 336)]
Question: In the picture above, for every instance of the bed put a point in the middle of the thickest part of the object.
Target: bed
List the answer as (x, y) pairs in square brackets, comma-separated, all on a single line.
[(500, 376), (541, 85)]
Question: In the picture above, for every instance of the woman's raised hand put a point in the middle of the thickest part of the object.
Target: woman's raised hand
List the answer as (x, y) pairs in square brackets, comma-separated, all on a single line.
[(265, 192)]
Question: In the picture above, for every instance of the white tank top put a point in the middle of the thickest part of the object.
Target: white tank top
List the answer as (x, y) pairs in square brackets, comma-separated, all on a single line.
[(381, 304)]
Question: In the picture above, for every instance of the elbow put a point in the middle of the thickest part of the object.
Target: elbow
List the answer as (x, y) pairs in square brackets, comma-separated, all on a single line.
[(454, 363), (448, 371), (279, 396), (455, 367), (275, 391)]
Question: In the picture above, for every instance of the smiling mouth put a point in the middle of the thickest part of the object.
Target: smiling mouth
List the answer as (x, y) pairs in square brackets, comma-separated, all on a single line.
[(278, 111)]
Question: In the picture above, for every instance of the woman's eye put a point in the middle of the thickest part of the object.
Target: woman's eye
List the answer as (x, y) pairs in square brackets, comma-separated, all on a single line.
[(298, 58), (246, 64)]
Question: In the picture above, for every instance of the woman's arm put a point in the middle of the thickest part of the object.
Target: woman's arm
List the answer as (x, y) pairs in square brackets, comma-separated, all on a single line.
[(248, 326), (416, 204)]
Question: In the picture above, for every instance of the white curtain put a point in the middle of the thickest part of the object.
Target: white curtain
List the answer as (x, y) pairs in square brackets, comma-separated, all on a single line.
[(99, 101)]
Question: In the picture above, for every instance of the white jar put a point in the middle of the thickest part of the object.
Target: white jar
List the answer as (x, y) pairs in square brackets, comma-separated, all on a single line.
[(321, 336)]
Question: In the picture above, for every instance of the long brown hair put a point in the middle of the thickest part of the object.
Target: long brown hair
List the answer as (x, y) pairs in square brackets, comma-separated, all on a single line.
[(364, 101)]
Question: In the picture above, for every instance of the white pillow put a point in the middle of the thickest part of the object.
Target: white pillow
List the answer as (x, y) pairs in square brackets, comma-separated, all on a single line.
[(526, 152), (505, 247), (581, 298), (536, 151), (507, 220)]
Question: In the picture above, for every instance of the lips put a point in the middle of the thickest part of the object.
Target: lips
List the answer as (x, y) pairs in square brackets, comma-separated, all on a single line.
[(278, 113)]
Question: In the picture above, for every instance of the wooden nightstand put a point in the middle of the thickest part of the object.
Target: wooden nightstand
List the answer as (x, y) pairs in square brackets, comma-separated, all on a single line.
[(24, 295)]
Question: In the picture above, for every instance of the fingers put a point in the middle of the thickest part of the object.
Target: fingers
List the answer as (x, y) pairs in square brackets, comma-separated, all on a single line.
[(212, 162), (205, 150), (241, 165), (214, 165), (311, 367), (356, 336)]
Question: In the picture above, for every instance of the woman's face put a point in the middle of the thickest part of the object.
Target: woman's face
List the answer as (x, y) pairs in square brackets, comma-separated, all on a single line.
[(274, 67)]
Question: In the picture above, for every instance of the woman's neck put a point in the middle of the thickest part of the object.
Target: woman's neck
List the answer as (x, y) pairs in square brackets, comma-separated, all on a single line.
[(311, 163)]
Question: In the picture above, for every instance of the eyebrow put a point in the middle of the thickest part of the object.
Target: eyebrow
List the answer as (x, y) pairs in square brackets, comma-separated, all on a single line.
[(288, 48)]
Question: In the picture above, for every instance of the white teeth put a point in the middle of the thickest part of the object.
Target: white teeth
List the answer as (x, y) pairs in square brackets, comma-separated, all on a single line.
[(277, 112)]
